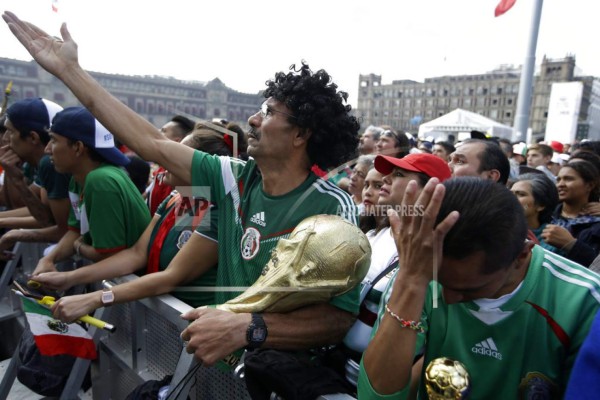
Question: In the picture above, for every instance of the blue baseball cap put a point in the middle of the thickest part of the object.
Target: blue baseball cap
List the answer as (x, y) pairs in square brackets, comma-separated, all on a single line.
[(32, 114), (77, 123)]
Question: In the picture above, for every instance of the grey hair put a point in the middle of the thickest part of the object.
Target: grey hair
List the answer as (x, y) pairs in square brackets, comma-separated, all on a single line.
[(377, 131), (367, 160)]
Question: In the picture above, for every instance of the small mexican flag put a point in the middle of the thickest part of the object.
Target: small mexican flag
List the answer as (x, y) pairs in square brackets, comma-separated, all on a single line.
[(54, 337)]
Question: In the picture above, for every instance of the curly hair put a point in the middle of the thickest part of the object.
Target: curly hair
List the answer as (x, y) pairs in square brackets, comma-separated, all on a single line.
[(318, 107)]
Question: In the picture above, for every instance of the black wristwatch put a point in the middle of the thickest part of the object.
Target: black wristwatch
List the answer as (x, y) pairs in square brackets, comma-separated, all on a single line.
[(257, 332)]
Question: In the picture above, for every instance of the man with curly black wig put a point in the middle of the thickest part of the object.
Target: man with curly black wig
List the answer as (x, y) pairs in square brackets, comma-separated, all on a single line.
[(304, 121)]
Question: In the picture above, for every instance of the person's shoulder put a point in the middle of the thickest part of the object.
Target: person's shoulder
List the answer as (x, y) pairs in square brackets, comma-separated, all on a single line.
[(45, 162), (329, 192), (106, 174), (569, 275)]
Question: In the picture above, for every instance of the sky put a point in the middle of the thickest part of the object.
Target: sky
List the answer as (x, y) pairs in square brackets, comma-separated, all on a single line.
[(244, 43)]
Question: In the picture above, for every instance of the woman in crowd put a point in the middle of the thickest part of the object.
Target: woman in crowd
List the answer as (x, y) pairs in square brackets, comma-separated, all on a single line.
[(391, 175), (160, 249), (357, 180), (539, 197), (576, 235)]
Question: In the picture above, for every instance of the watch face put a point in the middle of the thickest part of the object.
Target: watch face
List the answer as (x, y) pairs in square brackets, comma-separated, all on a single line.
[(258, 334), (108, 297)]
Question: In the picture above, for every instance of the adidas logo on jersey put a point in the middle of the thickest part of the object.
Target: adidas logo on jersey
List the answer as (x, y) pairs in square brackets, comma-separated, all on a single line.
[(259, 219), (487, 347)]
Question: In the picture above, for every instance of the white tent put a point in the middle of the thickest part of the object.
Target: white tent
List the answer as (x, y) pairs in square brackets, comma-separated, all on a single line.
[(463, 121)]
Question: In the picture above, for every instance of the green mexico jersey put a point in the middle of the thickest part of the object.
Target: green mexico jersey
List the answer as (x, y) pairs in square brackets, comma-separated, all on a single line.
[(525, 346), (178, 235), (109, 212), (251, 222)]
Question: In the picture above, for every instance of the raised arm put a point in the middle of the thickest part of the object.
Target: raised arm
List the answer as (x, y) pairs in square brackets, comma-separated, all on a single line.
[(60, 58), (388, 360)]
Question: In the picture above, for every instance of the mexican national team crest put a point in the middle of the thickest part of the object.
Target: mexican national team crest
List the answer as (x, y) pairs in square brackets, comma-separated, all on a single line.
[(250, 243), (183, 238), (536, 385)]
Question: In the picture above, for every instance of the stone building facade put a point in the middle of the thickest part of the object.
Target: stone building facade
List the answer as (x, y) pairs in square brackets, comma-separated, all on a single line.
[(405, 104), (155, 98)]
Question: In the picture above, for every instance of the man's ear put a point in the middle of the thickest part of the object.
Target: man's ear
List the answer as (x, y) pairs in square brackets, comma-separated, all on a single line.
[(524, 254), (34, 137), (302, 136), (79, 147), (494, 175)]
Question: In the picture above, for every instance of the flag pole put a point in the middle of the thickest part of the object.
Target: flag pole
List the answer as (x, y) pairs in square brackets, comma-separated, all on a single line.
[(526, 84)]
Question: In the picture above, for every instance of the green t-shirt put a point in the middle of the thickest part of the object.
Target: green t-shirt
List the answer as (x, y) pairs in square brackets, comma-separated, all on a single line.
[(524, 347), (252, 222), (108, 211), (178, 236), (55, 183)]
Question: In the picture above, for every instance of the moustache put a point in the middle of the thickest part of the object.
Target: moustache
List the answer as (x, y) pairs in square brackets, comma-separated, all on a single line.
[(253, 132)]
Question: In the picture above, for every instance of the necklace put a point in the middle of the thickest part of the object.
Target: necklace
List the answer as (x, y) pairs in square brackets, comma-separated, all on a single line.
[(564, 214)]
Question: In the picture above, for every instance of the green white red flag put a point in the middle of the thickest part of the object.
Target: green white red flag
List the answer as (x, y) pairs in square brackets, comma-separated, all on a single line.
[(54, 337)]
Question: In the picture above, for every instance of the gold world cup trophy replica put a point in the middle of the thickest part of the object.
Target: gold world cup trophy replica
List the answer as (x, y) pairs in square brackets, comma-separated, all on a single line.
[(325, 256), (447, 379)]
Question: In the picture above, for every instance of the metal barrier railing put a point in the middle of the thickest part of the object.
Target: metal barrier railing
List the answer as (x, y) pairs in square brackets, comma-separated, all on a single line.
[(145, 346)]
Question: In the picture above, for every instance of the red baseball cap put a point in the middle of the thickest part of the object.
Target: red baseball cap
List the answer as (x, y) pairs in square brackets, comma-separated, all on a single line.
[(428, 164), (557, 146)]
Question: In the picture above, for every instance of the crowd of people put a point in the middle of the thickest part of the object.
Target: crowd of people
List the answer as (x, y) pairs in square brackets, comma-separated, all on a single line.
[(483, 251)]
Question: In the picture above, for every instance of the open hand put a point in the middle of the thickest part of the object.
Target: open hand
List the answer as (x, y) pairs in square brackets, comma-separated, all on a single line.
[(418, 239), (54, 55)]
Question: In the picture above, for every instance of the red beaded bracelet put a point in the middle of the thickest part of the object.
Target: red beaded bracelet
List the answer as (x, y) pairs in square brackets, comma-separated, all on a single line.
[(414, 325)]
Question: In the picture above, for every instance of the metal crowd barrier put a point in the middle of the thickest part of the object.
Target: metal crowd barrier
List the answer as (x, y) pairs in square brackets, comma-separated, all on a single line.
[(147, 346), (26, 256)]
